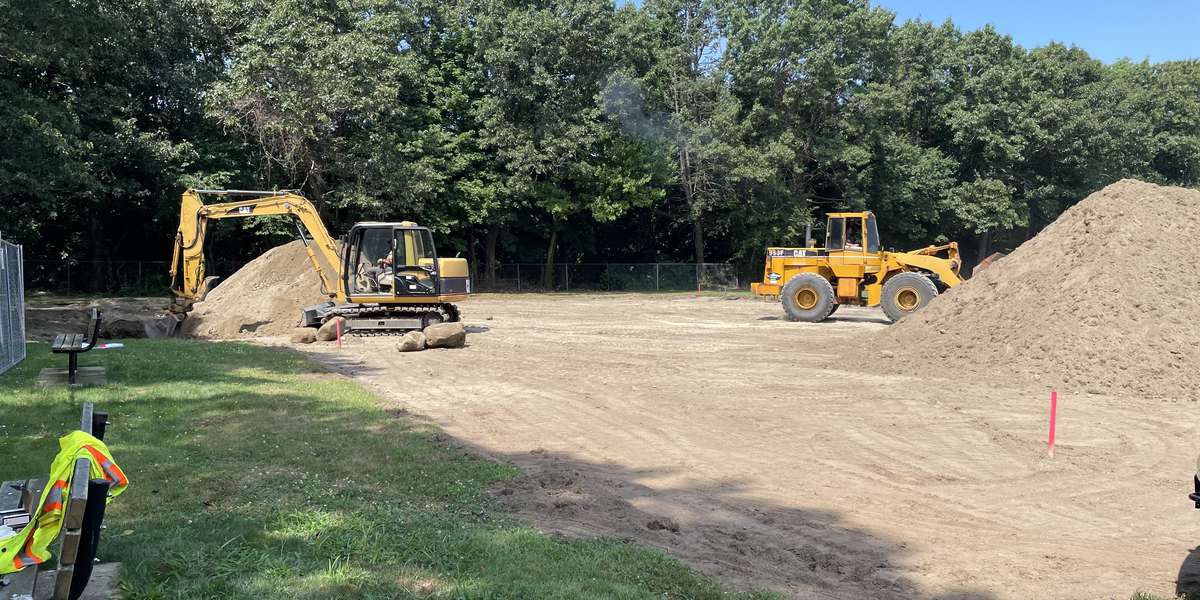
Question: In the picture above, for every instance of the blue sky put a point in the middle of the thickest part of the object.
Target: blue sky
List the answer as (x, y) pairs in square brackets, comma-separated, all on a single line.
[(1108, 30)]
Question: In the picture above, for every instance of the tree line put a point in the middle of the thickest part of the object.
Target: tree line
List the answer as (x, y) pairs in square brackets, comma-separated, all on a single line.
[(563, 130)]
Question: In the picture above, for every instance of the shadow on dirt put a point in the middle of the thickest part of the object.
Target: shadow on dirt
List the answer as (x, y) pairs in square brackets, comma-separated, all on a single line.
[(746, 543), (1187, 584), (716, 527)]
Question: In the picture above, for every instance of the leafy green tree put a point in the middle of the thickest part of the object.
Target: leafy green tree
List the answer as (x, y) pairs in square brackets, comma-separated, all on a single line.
[(102, 127), (672, 93), (795, 66), (546, 62)]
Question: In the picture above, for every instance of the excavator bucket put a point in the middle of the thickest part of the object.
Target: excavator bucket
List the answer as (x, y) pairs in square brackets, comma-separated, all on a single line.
[(163, 327)]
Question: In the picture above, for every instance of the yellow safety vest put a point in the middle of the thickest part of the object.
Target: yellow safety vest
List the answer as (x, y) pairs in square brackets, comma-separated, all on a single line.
[(31, 546)]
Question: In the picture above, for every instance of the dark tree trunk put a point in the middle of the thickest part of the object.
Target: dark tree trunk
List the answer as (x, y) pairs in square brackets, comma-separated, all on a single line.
[(548, 271), (473, 266), (489, 255), (96, 273), (985, 246), (698, 235)]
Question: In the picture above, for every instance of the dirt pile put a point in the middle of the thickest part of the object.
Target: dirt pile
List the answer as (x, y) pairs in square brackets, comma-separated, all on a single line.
[(263, 298), (1101, 301)]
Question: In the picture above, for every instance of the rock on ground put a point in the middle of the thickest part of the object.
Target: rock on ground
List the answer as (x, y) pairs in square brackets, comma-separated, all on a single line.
[(122, 328), (304, 335), (412, 342), (446, 335), (328, 332)]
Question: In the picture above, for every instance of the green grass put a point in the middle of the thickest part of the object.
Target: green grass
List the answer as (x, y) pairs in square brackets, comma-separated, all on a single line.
[(254, 475), (1195, 595)]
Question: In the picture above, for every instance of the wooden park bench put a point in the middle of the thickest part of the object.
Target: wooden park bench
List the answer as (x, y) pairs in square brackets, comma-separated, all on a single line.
[(74, 344), (77, 542)]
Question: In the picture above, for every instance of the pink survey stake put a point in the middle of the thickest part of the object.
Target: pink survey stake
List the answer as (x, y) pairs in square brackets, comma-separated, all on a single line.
[(1053, 418)]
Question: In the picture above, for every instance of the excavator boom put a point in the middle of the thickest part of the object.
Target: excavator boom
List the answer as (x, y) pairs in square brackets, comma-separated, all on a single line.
[(188, 282)]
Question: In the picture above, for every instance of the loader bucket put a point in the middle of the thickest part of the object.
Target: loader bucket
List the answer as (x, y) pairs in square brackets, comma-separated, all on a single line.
[(987, 262)]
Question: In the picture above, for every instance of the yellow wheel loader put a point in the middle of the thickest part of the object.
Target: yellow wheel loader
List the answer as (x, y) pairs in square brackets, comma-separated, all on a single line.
[(813, 282), (383, 277)]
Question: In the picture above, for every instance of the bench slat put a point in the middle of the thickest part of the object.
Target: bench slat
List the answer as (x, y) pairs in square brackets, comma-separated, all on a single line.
[(20, 585), (33, 494), (70, 547), (10, 494), (68, 342), (85, 423), (62, 582), (77, 500)]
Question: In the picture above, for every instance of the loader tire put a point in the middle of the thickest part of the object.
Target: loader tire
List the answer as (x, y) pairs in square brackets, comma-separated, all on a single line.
[(906, 293), (807, 297)]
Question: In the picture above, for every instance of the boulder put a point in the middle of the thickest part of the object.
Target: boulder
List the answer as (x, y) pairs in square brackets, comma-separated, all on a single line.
[(122, 328), (304, 335), (411, 342), (328, 331), (446, 335)]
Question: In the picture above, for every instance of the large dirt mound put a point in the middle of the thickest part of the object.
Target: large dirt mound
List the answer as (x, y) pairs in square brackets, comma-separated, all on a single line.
[(263, 298), (1102, 300)]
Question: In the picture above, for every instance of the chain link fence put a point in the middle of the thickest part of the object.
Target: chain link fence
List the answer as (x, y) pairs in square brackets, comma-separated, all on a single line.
[(609, 277), (111, 278), (12, 305), (150, 278)]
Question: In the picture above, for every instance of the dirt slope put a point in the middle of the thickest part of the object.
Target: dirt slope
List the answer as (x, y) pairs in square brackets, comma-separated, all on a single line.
[(1102, 300), (262, 298)]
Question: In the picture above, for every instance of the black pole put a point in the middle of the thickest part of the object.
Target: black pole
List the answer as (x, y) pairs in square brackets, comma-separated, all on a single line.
[(99, 422), (89, 538)]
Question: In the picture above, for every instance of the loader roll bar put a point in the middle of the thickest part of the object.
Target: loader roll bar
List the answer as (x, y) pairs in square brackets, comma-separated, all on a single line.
[(248, 192)]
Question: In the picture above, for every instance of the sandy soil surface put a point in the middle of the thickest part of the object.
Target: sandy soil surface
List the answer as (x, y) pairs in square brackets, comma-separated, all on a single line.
[(746, 446)]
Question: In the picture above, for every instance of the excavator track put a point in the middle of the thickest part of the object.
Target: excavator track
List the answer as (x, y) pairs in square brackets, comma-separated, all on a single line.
[(373, 321)]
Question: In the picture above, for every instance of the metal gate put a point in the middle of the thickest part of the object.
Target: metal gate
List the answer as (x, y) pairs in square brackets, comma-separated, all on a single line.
[(12, 305)]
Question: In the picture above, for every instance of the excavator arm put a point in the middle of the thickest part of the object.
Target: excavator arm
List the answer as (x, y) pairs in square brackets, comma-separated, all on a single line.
[(188, 282)]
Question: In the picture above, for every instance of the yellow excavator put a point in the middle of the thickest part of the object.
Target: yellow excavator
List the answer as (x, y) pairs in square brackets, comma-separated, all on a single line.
[(812, 282), (382, 278)]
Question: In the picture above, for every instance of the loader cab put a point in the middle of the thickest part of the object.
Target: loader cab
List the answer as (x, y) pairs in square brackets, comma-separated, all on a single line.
[(854, 232), (390, 260)]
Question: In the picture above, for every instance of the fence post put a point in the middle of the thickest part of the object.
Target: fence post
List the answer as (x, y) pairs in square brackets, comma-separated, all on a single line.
[(697, 279), (566, 277), (518, 277), (656, 276)]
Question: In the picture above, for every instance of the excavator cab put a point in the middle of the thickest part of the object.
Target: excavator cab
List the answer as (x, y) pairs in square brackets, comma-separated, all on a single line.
[(397, 260)]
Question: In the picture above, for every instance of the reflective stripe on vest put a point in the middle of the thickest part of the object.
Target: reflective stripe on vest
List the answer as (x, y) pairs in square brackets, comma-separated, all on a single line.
[(111, 471)]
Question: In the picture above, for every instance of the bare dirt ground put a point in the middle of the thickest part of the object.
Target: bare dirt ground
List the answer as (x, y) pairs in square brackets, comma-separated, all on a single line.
[(743, 444)]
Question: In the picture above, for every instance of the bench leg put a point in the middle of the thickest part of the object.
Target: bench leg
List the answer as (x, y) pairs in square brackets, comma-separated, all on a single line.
[(72, 366)]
